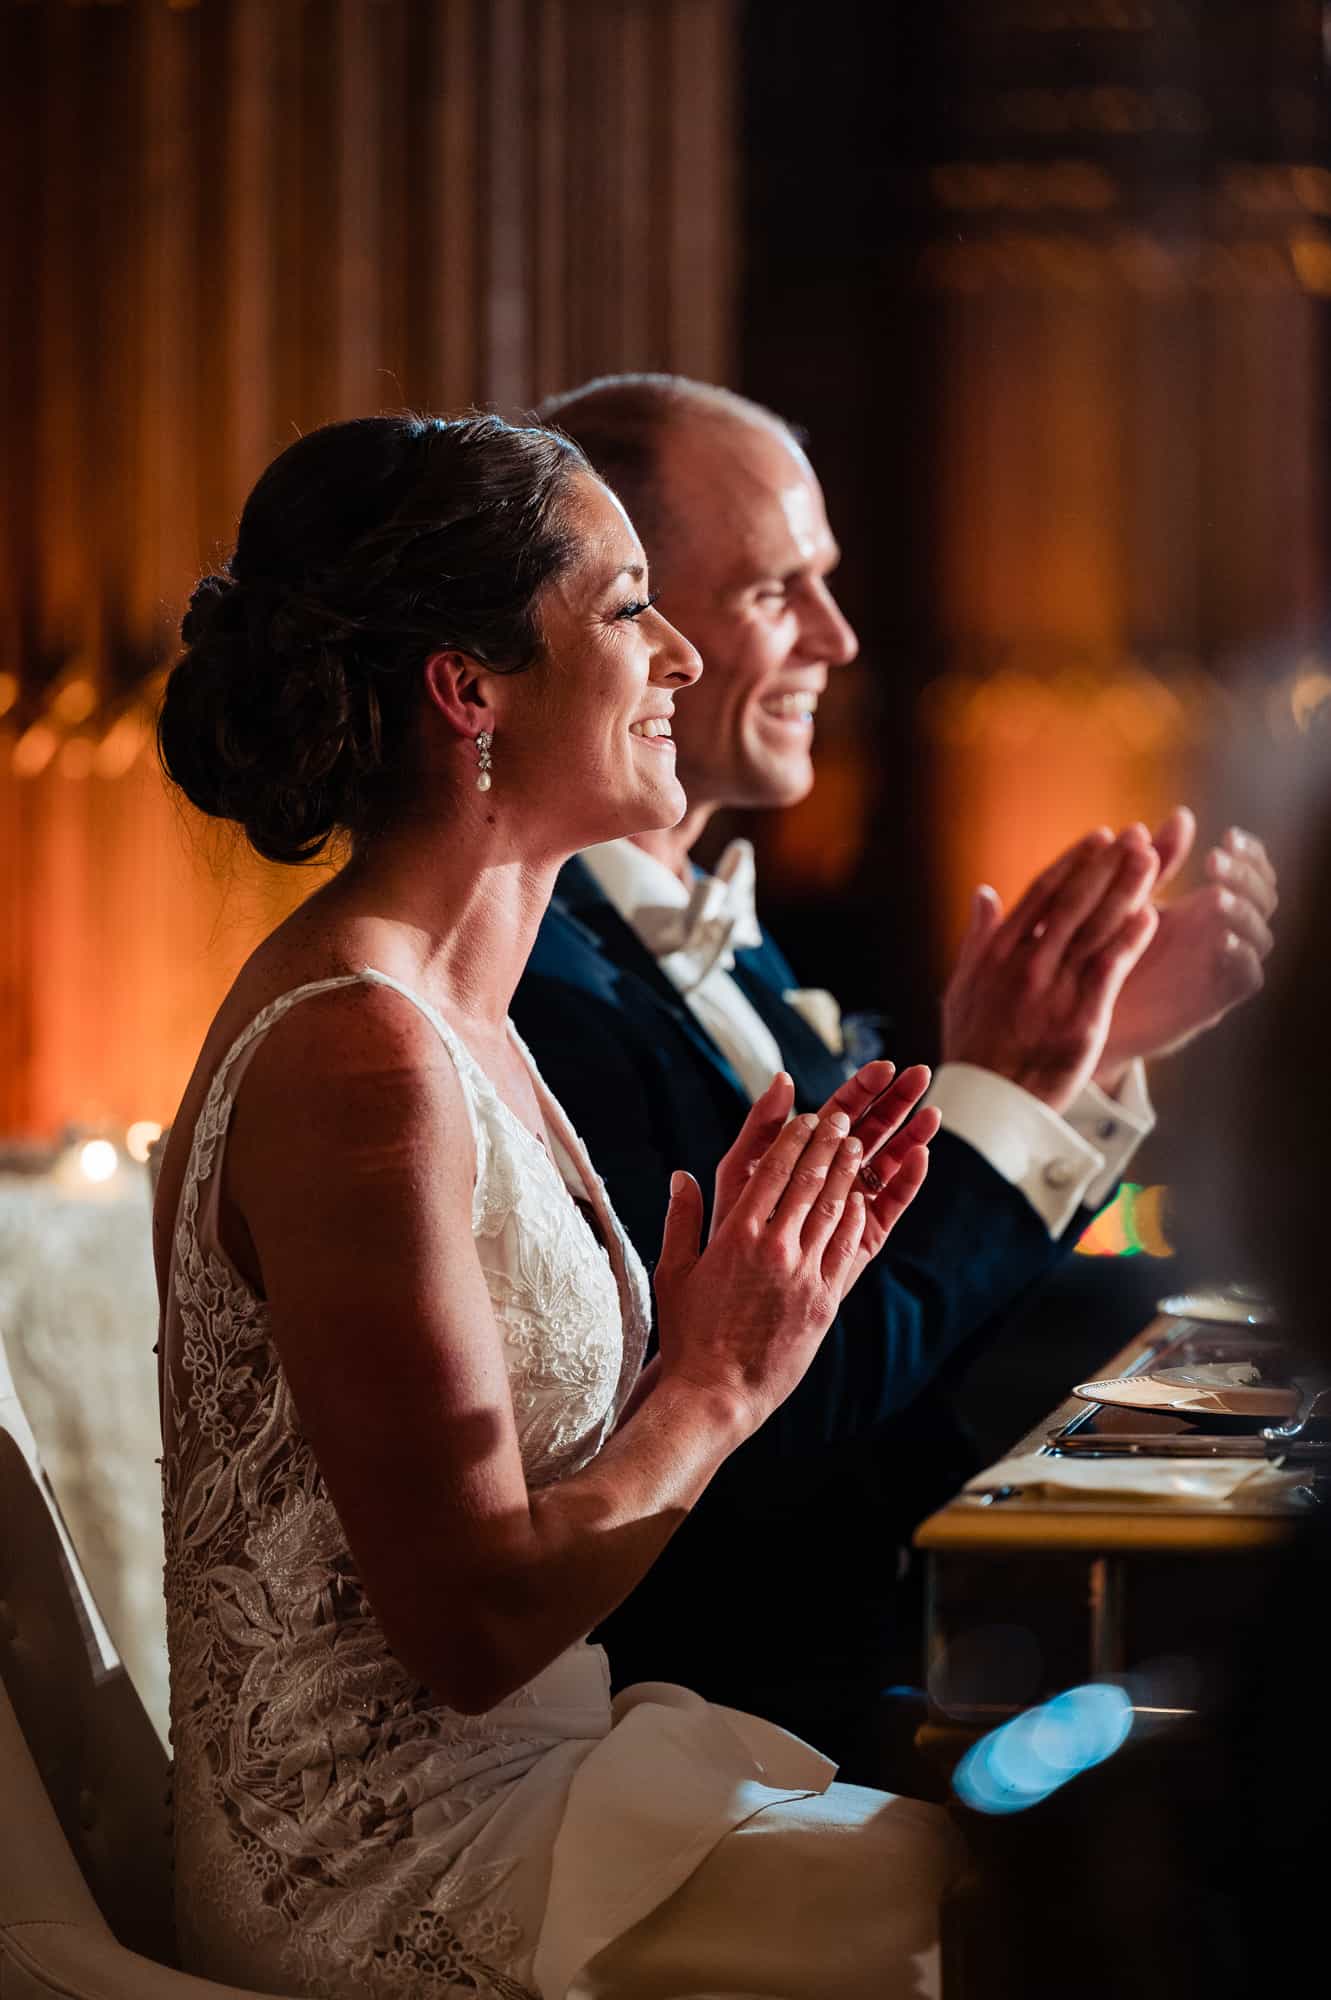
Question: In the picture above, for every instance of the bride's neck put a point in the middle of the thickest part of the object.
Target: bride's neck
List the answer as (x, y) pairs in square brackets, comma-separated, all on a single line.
[(466, 921)]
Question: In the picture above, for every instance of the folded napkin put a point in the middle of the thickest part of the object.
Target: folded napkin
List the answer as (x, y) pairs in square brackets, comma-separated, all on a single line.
[(1137, 1478)]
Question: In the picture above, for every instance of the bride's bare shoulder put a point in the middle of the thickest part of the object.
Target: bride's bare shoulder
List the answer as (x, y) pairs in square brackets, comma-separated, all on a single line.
[(350, 1111), (361, 1050)]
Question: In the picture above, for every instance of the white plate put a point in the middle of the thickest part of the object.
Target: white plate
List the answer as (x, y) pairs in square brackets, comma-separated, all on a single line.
[(1181, 1391), (1219, 1308)]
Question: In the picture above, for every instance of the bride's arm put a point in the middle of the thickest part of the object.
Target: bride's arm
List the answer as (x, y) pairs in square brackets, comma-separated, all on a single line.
[(642, 1389), (350, 1166)]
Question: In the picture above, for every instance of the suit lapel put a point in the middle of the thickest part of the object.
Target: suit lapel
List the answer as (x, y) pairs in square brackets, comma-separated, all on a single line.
[(580, 897), (761, 973), (764, 978)]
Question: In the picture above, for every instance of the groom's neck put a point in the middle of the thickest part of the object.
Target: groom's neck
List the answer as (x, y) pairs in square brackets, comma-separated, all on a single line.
[(672, 845)]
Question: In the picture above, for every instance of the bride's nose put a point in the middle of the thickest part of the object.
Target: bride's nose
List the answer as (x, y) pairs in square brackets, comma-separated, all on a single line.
[(676, 663)]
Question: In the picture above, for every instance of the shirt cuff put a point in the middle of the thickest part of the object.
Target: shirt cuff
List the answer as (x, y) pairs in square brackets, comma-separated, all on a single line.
[(1046, 1156), (1115, 1126)]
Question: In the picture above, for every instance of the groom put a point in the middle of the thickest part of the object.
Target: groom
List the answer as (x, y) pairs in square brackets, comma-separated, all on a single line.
[(658, 1009)]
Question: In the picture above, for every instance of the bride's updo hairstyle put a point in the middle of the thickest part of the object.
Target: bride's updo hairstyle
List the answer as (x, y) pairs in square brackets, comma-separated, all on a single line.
[(363, 549)]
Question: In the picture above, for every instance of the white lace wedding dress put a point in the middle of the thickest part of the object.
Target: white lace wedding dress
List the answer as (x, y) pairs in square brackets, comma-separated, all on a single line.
[(338, 1832)]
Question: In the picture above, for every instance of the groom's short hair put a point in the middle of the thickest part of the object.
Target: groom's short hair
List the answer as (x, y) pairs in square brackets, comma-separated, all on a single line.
[(621, 423)]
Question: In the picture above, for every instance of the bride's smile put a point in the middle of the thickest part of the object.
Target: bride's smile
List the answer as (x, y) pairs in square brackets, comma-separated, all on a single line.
[(584, 741)]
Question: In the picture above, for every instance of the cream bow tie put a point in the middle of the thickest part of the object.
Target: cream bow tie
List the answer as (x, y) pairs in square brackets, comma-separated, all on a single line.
[(719, 918)]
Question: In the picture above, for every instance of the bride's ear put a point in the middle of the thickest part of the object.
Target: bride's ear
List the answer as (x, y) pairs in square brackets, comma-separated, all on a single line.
[(459, 691)]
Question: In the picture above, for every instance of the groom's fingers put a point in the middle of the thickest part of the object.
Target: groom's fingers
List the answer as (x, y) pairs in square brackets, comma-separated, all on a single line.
[(1073, 907), (1244, 878), (1135, 876), (1246, 922), (1103, 974), (1247, 847), (1240, 970), (1029, 917), (986, 914), (1172, 841)]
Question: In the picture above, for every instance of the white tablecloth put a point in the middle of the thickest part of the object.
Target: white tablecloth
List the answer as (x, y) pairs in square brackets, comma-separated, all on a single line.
[(1137, 1477)]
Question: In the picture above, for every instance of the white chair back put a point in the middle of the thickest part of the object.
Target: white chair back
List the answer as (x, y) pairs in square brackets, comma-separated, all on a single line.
[(73, 1708)]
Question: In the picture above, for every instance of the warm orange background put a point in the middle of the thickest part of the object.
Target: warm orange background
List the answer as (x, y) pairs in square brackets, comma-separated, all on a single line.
[(240, 219), (225, 223)]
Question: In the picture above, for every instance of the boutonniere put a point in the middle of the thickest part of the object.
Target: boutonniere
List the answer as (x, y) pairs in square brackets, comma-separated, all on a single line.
[(818, 1008)]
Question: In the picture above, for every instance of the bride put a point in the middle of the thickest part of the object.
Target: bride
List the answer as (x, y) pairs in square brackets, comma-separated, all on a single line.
[(411, 1455)]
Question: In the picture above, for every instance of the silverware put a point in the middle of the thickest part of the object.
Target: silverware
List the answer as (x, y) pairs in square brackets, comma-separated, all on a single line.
[(1162, 1443), (1127, 1445), (1309, 1407), (987, 1495)]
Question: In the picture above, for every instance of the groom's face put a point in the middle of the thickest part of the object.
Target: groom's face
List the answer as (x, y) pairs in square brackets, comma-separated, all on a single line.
[(743, 571)]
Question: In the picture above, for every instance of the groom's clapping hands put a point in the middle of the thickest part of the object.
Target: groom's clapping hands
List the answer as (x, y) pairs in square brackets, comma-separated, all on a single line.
[(1033, 995), (1208, 952), (1086, 975)]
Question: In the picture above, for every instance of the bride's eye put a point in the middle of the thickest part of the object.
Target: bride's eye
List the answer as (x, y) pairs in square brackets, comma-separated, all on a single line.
[(636, 607)]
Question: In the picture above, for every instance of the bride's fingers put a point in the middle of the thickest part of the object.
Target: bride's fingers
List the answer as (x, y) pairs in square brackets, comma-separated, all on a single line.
[(858, 1093), (891, 1108), (807, 1182), (767, 1115), (923, 1126), (771, 1177), (843, 1256), (829, 1203), (887, 1208), (766, 1118)]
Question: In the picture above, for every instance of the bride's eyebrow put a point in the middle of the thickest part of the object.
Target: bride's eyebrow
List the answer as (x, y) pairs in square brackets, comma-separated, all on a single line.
[(634, 570)]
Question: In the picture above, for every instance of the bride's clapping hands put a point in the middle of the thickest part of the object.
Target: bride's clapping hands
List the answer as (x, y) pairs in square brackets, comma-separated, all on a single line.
[(873, 1105), (795, 1225)]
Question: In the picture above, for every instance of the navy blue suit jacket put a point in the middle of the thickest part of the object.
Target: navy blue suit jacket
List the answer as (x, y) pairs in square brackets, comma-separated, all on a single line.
[(776, 1593)]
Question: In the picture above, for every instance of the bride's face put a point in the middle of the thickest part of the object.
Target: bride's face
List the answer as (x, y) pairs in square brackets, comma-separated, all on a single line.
[(586, 731)]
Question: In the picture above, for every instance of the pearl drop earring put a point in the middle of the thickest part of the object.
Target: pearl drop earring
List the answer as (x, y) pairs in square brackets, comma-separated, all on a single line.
[(483, 742)]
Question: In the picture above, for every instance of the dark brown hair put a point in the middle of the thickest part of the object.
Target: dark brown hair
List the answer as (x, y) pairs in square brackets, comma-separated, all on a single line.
[(365, 547)]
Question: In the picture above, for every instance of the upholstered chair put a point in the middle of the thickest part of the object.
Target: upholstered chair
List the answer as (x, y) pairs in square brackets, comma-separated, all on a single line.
[(85, 1884)]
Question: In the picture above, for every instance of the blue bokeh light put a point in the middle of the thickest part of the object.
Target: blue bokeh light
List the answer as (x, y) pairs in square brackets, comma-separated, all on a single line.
[(1022, 1762)]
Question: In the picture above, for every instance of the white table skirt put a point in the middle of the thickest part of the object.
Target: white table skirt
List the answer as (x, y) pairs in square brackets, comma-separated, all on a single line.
[(78, 1317)]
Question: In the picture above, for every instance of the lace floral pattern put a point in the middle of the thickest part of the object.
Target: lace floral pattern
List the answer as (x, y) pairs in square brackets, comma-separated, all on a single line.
[(334, 1825)]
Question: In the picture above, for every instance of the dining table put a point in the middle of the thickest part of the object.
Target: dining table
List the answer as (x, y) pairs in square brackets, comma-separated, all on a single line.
[(1118, 1541)]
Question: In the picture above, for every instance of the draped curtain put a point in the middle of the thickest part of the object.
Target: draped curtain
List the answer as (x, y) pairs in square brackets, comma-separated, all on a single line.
[(231, 221)]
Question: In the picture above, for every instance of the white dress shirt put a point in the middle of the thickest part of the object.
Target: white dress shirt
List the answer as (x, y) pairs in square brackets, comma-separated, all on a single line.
[(635, 882), (1059, 1162)]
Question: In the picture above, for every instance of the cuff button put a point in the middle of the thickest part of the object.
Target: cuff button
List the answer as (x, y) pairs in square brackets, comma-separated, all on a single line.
[(1106, 1129), (1058, 1173)]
